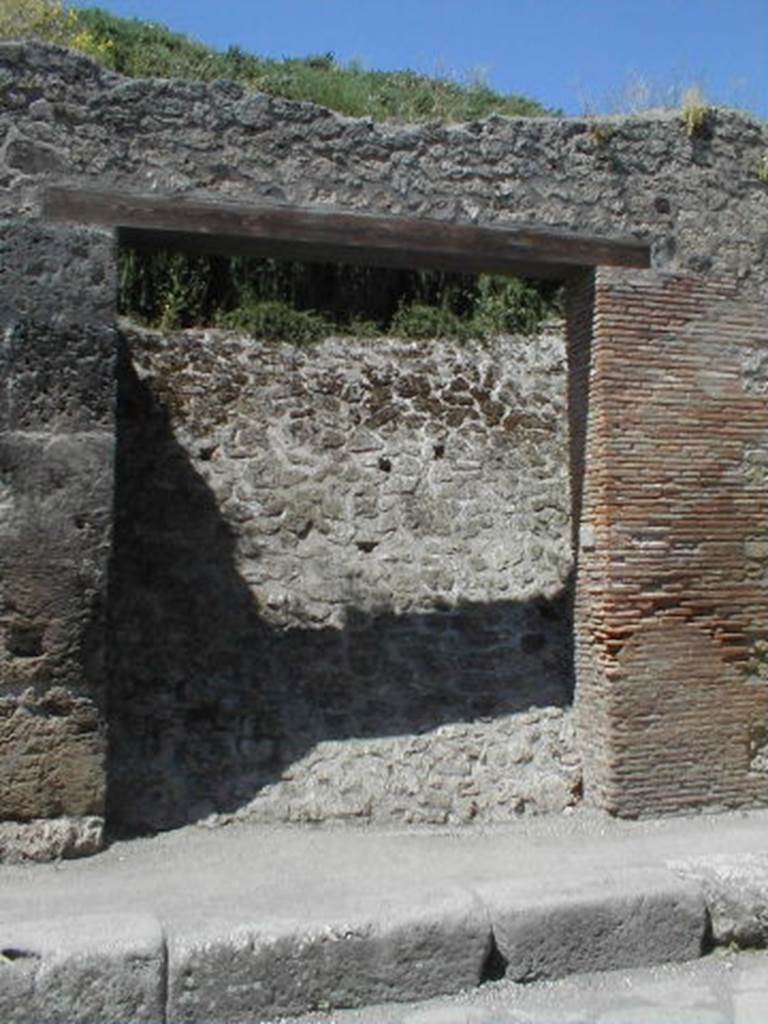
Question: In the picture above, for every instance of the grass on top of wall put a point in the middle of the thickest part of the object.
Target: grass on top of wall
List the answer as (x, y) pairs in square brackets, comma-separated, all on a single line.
[(145, 49)]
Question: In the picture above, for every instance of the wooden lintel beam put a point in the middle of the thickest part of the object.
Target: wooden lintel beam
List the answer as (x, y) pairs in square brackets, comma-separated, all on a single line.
[(328, 234)]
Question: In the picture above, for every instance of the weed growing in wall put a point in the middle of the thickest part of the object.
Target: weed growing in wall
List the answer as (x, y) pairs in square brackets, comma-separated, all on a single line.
[(695, 112), (601, 133)]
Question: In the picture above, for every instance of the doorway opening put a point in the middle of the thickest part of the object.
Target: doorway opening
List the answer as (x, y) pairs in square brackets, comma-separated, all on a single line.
[(341, 572)]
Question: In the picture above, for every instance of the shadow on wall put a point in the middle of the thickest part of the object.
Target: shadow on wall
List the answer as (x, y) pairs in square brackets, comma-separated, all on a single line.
[(209, 704)]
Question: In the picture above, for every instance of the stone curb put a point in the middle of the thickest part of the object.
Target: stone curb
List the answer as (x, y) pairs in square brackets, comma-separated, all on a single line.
[(735, 888), (235, 971), (90, 969), (606, 921), (123, 969)]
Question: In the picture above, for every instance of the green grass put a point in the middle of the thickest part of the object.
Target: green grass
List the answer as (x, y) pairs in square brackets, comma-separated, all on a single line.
[(144, 49)]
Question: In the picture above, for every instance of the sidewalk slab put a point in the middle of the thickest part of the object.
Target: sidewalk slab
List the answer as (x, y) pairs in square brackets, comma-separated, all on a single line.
[(83, 969)]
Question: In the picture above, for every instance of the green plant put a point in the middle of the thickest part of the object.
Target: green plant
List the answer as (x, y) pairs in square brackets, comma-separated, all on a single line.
[(301, 302), (761, 168), (170, 289), (276, 321), (52, 22), (640, 92), (507, 305), (48, 20), (417, 321), (360, 328), (696, 113)]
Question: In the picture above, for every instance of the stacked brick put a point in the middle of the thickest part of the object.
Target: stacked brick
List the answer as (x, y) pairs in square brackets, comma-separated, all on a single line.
[(671, 604)]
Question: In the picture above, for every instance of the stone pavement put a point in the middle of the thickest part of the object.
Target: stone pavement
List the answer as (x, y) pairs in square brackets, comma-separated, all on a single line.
[(247, 923)]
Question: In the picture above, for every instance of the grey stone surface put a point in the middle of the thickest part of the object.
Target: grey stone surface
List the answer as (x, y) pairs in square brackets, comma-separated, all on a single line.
[(280, 599), (601, 921), (90, 969), (54, 541), (339, 588), (59, 379), (57, 275), (411, 948)]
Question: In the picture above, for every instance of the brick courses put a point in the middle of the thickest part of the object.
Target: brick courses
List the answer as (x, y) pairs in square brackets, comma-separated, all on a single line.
[(671, 593)]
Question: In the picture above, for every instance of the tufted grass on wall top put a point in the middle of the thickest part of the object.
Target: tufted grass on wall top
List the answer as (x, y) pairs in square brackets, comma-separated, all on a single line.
[(145, 49)]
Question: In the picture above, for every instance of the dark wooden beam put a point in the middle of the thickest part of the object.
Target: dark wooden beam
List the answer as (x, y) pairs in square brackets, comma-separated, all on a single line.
[(322, 234)]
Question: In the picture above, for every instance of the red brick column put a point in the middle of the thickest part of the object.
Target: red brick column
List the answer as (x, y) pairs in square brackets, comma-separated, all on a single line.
[(669, 437)]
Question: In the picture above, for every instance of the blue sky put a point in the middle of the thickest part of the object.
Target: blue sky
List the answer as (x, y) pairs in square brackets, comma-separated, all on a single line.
[(579, 55)]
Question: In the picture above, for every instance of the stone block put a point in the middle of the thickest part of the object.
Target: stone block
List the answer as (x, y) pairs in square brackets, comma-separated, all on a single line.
[(58, 378), (56, 274), (94, 969), (52, 756), (55, 528), (55, 516), (635, 918), (243, 969)]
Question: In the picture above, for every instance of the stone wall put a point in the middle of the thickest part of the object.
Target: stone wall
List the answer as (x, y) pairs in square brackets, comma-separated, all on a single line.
[(232, 682), (697, 199), (339, 581)]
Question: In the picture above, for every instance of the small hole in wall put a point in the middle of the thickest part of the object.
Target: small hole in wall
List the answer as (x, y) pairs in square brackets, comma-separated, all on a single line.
[(11, 953), (366, 546), (25, 640), (384, 464), (530, 643), (438, 451), (549, 611), (305, 530)]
